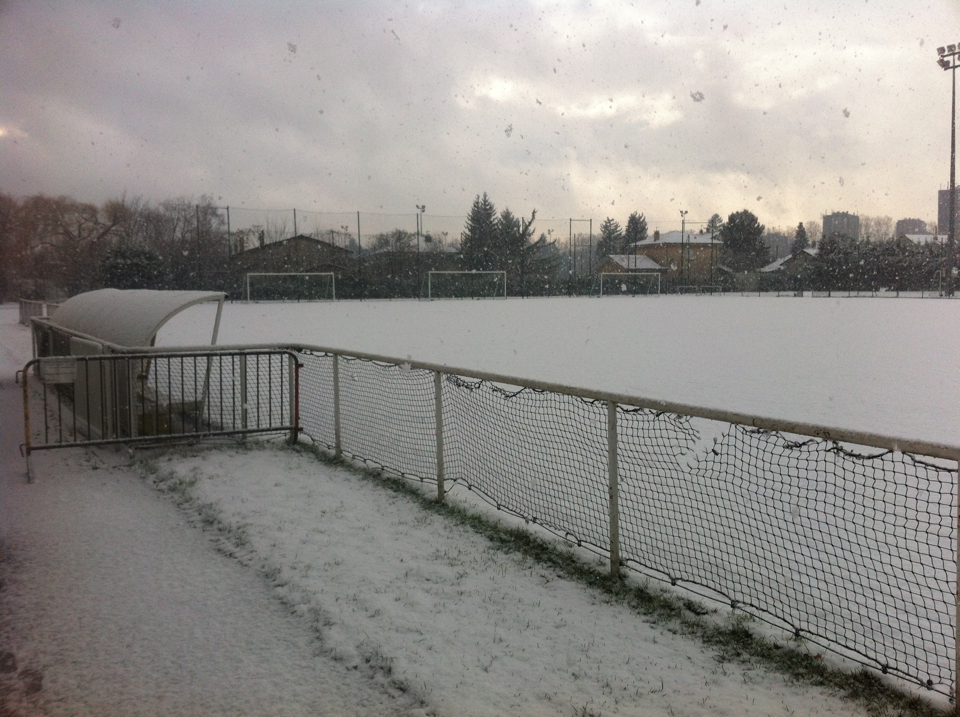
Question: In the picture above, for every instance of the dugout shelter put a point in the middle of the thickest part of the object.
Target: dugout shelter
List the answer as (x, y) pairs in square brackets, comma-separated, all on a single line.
[(128, 318), (115, 395)]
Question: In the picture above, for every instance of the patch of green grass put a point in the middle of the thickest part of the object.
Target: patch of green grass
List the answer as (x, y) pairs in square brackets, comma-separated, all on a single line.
[(732, 641)]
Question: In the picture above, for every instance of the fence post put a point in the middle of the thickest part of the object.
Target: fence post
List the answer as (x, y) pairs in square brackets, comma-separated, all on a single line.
[(614, 489), (438, 410), (243, 393), (337, 443), (26, 418), (293, 369), (133, 429)]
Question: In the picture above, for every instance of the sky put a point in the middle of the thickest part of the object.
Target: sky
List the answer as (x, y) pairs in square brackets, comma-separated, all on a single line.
[(576, 109)]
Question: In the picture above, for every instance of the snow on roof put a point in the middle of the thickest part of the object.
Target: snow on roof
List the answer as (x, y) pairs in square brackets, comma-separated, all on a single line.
[(926, 238), (635, 262), (675, 238), (773, 266), (128, 317)]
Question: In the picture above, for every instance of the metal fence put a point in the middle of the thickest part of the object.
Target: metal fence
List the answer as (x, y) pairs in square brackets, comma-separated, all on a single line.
[(84, 395), (844, 538), (30, 308)]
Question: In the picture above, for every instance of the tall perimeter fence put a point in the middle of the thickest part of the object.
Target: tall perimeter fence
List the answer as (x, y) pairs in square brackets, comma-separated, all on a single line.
[(846, 539)]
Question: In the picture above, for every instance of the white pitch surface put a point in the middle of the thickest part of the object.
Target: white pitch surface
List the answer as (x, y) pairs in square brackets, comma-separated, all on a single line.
[(887, 366)]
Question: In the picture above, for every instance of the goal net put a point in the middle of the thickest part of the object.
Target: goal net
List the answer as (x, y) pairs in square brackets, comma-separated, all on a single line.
[(290, 286), (632, 284), (465, 285)]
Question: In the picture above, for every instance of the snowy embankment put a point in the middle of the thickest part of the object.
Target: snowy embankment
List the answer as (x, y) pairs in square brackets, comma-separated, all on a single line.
[(467, 628)]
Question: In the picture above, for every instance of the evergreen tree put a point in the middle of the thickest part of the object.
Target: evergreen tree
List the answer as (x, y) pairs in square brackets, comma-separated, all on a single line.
[(743, 244), (714, 225), (508, 245), (478, 242), (611, 239), (636, 230), (800, 241)]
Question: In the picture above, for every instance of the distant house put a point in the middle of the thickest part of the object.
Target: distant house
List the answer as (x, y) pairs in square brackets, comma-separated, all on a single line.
[(298, 254), (787, 273), (391, 273), (792, 265), (686, 258), (628, 264), (921, 239)]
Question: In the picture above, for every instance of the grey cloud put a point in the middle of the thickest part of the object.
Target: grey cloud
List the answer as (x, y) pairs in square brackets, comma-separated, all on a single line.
[(298, 104)]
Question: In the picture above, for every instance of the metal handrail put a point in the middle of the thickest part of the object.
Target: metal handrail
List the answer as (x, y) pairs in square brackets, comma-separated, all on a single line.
[(831, 433)]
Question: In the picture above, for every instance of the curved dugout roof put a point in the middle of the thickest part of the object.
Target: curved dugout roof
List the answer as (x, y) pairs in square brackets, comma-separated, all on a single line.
[(129, 317)]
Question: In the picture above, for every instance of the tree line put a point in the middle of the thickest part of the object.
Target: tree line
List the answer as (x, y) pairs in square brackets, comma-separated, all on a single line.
[(54, 247)]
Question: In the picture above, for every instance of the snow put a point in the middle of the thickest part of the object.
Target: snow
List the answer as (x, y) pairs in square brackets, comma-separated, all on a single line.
[(342, 592), (886, 366)]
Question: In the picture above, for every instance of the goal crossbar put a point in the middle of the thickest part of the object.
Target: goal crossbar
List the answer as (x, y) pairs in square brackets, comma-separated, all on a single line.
[(254, 274), (500, 280)]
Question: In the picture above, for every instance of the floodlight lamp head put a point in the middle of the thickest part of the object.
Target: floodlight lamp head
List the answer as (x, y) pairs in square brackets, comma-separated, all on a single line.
[(941, 50), (951, 48), (944, 63)]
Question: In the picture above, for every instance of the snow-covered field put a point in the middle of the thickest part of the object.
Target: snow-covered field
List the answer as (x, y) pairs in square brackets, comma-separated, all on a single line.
[(466, 629), (887, 366)]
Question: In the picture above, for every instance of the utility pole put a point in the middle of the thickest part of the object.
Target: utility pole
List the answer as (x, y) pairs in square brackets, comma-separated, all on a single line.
[(683, 258), (949, 60)]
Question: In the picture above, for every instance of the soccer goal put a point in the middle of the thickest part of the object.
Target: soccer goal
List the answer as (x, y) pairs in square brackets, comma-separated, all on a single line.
[(291, 286), (629, 284), (466, 285)]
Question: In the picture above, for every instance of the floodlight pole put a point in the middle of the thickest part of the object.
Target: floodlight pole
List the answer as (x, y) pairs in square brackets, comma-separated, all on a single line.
[(949, 60), (683, 227)]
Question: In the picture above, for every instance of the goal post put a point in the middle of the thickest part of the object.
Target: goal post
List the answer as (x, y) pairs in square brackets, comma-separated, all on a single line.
[(290, 286), (629, 283), (466, 285)]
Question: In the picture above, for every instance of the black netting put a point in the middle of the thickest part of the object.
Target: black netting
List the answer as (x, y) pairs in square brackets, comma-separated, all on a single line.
[(387, 412), (316, 398), (851, 548), (551, 470), (854, 549)]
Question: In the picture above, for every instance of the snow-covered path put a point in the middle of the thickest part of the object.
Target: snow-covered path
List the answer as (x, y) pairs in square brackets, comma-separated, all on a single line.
[(114, 604)]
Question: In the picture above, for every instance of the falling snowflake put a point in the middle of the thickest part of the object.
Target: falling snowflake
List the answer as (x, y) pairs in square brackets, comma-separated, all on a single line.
[(509, 130), (846, 112), (697, 96), (291, 48), (116, 22)]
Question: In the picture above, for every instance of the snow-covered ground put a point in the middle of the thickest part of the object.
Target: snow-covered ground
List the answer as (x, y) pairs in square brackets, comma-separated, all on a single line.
[(369, 580), (888, 366)]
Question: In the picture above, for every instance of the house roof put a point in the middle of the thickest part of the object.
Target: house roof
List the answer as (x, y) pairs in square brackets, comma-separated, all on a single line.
[(635, 262), (779, 263), (128, 317), (299, 238), (926, 238), (677, 238)]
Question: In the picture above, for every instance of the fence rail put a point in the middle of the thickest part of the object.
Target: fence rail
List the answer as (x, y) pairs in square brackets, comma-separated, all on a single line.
[(846, 538), (81, 400), (30, 308)]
